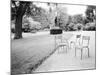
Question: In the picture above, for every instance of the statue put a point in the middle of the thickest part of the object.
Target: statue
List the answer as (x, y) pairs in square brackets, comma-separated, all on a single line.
[(56, 21)]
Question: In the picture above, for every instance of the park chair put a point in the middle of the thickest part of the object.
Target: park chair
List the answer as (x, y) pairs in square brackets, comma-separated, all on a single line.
[(77, 40), (61, 42), (83, 44)]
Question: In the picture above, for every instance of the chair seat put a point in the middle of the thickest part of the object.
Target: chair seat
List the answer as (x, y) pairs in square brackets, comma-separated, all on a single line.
[(63, 43), (80, 46)]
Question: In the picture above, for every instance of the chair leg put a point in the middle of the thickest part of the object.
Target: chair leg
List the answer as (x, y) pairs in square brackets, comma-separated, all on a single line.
[(88, 52), (66, 49), (81, 53), (55, 41), (58, 49), (70, 47), (75, 51), (63, 48)]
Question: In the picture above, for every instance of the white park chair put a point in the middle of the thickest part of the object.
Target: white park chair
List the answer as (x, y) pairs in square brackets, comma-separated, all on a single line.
[(77, 40), (82, 44), (62, 43)]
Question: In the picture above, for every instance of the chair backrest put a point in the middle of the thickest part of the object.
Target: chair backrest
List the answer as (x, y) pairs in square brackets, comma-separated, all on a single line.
[(78, 36), (85, 40), (58, 38), (78, 39)]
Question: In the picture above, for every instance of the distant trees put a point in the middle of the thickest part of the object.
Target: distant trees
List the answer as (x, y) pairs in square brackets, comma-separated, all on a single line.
[(39, 18), (76, 22), (87, 22), (26, 24), (63, 19), (90, 14), (90, 20), (90, 26), (77, 19)]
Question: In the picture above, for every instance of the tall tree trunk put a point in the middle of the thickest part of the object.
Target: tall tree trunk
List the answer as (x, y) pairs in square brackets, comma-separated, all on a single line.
[(18, 27), (19, 15)]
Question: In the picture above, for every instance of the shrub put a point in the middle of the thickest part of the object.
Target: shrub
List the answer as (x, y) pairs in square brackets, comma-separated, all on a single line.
[(71, 27), (79, 26), (12, 26), (12, 30), (75, 27), (90, 26)]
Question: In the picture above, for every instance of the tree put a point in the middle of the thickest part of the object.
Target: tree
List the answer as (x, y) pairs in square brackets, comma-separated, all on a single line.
[(77, 19), (18, 9), (40, 15), (62, 17), (71, 27), (90, 14)]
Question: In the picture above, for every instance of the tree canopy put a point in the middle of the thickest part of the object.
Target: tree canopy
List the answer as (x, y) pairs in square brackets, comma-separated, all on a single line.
[(90, 13)]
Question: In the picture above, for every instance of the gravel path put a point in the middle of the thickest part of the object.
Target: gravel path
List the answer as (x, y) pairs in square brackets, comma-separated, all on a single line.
[(67, 61)]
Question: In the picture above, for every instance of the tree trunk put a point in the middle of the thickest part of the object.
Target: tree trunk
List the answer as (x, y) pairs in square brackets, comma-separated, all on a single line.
[(19, 15), (18, 27)]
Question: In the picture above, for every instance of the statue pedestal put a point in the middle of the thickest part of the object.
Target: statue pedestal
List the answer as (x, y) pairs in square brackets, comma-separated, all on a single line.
[(55, 31)]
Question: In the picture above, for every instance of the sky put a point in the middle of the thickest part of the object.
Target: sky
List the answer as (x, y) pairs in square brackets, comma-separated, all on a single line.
[(76, 9), (69, 9)]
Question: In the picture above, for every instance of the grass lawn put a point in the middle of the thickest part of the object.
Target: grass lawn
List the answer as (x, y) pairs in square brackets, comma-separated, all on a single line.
[(27, 52)]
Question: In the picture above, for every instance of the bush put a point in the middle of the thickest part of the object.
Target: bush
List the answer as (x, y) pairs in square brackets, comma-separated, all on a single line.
[(71, 27), (79, 26), (75, 27), (12, 30), (13, 26), (90, 26), (25, 27)]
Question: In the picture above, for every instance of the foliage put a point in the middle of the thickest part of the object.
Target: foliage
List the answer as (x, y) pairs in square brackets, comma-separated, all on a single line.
[(71, 27), (41, 16), (77, 19), (90, 26), (78, 22), (79, 26), (90, 14), (13, 26), (33, 17), (75, 27), (37, 18), (63, 18), (19, 8)]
